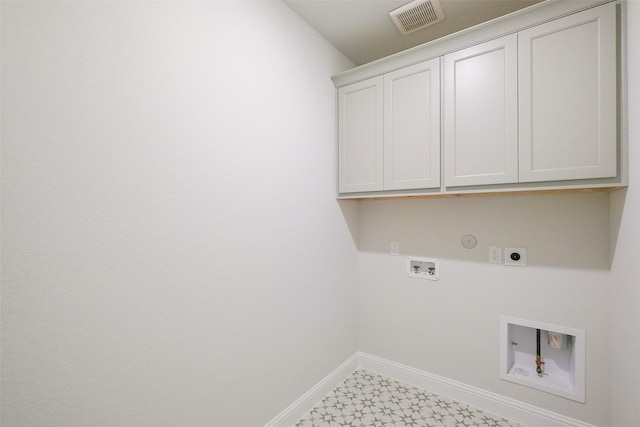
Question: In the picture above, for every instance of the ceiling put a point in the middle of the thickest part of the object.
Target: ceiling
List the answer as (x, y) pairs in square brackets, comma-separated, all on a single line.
[(363, 31)]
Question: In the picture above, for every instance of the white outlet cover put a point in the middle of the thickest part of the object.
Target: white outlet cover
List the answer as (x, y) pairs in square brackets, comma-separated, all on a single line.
[(394, 248), (515, 257), (495, 255)]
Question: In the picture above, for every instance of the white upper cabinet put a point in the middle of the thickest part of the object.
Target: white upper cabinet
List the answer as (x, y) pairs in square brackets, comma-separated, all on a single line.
[(412, 127), (360, 152), (526, 103), (389, 131), (481, 114), (568, 97)]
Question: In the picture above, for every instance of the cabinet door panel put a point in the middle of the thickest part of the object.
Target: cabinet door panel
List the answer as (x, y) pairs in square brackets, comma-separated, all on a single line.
[(360, 148), (568, 98), (412, 127), (480, 104)]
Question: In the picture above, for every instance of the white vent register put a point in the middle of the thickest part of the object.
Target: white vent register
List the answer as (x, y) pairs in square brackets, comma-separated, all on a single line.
[(417, 15)]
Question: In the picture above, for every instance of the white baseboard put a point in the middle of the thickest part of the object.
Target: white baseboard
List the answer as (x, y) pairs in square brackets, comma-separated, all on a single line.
[(297, 409), (523, 413), (493, 403)]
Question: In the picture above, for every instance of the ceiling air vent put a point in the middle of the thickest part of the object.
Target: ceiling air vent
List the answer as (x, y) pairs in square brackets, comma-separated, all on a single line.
[(417, 15)]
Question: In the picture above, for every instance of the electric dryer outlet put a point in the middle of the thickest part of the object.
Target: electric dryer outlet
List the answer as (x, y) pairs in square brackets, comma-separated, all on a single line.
[(515, 256)]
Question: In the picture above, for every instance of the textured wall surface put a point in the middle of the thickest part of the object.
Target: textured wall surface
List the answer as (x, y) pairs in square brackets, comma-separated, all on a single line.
[(625, 246), (451, 327), (173, 253)]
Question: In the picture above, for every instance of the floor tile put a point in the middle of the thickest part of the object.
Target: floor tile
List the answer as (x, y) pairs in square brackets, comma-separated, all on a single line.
[(368, 399)]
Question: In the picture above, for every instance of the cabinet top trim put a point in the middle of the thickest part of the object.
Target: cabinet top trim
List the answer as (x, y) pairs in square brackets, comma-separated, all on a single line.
[(516, 21)]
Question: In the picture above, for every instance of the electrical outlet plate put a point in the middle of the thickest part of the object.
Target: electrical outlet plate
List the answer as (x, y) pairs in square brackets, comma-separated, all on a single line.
[(515, 256), (394, 248), (423, 268), (495, 255)]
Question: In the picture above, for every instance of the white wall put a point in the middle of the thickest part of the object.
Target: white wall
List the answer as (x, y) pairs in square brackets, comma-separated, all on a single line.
[(451, 327), (173, 253), (625, 268)]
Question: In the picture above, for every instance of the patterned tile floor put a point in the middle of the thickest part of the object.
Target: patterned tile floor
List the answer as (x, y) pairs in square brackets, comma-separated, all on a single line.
[(369, 399)]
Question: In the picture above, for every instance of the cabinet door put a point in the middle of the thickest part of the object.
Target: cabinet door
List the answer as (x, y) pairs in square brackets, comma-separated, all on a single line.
[(360, 124), (568, 97), (480, 107), (412, 127)]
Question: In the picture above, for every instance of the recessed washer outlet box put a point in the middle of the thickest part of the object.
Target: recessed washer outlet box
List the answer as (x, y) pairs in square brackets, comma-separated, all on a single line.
[(562, 352), (417, 15), (423, 268)]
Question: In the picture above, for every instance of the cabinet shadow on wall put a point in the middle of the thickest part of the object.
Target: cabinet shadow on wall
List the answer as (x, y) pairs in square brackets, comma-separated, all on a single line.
[(616, 211), (557, 230), (350, 209)]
